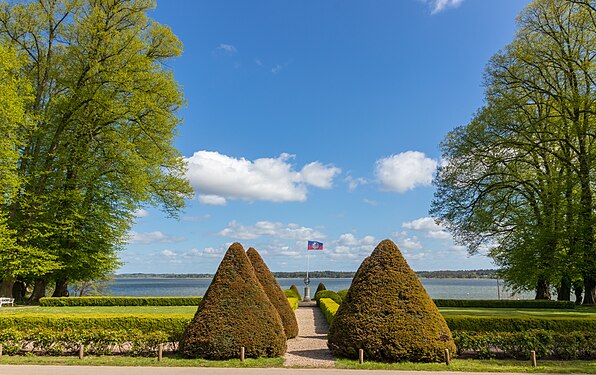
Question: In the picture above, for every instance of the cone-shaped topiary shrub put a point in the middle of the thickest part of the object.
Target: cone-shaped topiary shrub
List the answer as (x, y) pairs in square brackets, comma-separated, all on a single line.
[(320, 287), (294, 289), (274, 292), (235, 312), (388, 314)]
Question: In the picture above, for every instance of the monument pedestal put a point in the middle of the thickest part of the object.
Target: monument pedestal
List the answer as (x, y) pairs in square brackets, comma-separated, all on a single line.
[(306, 294)]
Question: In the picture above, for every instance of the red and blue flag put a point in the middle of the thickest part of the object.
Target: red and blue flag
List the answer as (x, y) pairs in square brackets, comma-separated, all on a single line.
[(315, 245)]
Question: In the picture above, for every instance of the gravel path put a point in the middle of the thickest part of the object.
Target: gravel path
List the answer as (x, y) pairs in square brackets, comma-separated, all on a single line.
[(309, 349)]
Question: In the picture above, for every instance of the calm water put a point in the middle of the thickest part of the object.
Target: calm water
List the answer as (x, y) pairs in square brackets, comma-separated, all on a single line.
[(437, 288)]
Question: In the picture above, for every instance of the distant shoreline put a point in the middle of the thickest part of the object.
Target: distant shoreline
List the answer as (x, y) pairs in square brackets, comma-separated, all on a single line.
[(462, 274)]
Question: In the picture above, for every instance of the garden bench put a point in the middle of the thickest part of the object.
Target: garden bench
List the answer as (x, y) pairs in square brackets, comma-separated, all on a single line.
[(6, 301)]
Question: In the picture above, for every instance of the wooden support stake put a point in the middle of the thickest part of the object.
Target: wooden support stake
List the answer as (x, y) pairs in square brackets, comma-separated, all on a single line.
[(1, 350), (447, 359), (81, 351), (533, 355), (242, 354), (160, 353), (361, 356)]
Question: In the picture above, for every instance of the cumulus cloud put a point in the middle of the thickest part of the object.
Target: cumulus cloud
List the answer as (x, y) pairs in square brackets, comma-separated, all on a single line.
[(410, 243), (145, 238), (348, 246), (217, 177), (168, 253), (405, 171), (270, 229), (354, 182), (429, 227), (140, 213), (438, 6)]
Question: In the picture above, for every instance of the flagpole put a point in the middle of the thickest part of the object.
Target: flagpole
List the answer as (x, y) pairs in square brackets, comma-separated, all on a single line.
[(307, 280)]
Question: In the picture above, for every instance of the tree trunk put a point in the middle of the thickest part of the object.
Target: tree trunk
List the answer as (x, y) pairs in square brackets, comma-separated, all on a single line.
[(578, 294), (564, 291), (6, 288), (39, 291), (589, 286), (19, 289), (61, 289), (542, 289)]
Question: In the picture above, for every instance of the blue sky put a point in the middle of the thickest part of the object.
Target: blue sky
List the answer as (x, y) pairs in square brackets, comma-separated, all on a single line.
[(318, 120)]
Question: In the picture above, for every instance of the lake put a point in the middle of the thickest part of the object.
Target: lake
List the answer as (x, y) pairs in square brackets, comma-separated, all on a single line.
[(436, 288)]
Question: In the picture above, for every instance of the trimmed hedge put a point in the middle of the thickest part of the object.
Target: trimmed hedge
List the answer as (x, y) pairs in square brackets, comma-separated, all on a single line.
[(172, 324), (343, 293), (293, 302), (329, 308), (99, 341), (519, 324), (515, 304), (292, 294), (328, 294), (119, 301), (320, 287), (547, 344), (294, 288)]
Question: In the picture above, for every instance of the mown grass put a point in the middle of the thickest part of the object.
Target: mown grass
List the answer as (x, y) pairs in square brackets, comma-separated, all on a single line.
[(580, 312), (117, 360), (476, 365)]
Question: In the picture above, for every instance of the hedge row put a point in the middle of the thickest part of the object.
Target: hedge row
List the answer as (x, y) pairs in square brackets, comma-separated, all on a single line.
[(172, 324), (328, 294), (519, 324), (293, 302), (329, 308), (514, 304), (120, 301), (290, 293), (547, 344), (47, 341)]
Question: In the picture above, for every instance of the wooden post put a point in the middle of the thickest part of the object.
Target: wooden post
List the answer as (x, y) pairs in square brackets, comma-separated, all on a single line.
[(160, 353), (533, 355), (1, 350), (361, 356), (447, 359), (81, 351), (242, 354)]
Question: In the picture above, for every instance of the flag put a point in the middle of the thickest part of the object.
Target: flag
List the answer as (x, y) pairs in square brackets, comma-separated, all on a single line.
[(315, 245)]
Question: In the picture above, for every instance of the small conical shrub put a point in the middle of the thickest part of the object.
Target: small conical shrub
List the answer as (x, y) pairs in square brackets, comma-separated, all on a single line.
[(275, 293), (294, 289), (388, 314), (235, 312), (320, 287)]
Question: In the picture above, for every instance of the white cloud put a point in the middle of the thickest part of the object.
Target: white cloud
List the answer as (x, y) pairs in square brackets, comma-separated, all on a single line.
[(217, 177), (276, 69), (228, 48), (353, 183), (145, 238), (405, 171), (370, 202), (410, 243), (214, 200), (429, 227), (270, 229), (168, 253), (348, 246), (258, 62), (140, 213), (438, 6)]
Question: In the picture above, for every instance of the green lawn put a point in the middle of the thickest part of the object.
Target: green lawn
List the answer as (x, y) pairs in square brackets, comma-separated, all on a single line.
[(476, 365), (581, 312)]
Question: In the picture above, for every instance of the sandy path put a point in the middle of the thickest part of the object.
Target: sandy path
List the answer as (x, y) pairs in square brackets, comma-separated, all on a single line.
[(309, 349)]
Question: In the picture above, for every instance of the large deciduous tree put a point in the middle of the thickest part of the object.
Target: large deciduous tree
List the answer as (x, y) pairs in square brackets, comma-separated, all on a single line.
[(519, 178), (103, 105)]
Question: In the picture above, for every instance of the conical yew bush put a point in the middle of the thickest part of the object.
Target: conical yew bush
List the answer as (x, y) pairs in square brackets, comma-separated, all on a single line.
[(275, 293), (388, 313), (235, 312)]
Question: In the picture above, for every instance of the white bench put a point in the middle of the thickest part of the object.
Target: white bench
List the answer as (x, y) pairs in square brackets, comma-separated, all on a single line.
[(6, 301)]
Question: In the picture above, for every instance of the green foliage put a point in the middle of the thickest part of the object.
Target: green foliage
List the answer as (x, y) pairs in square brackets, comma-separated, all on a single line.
[(293, 303), (549, 344), (292, 294), (342, 293), (320, 287), (235, 312), (328, 294), (120, 301), (294, 289), (329, 308), (519, 324), (274, 292), (388, 313), (521, 304)]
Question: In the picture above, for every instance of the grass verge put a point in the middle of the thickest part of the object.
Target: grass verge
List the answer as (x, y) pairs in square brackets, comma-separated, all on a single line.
[(137, 361), (477, 365)]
